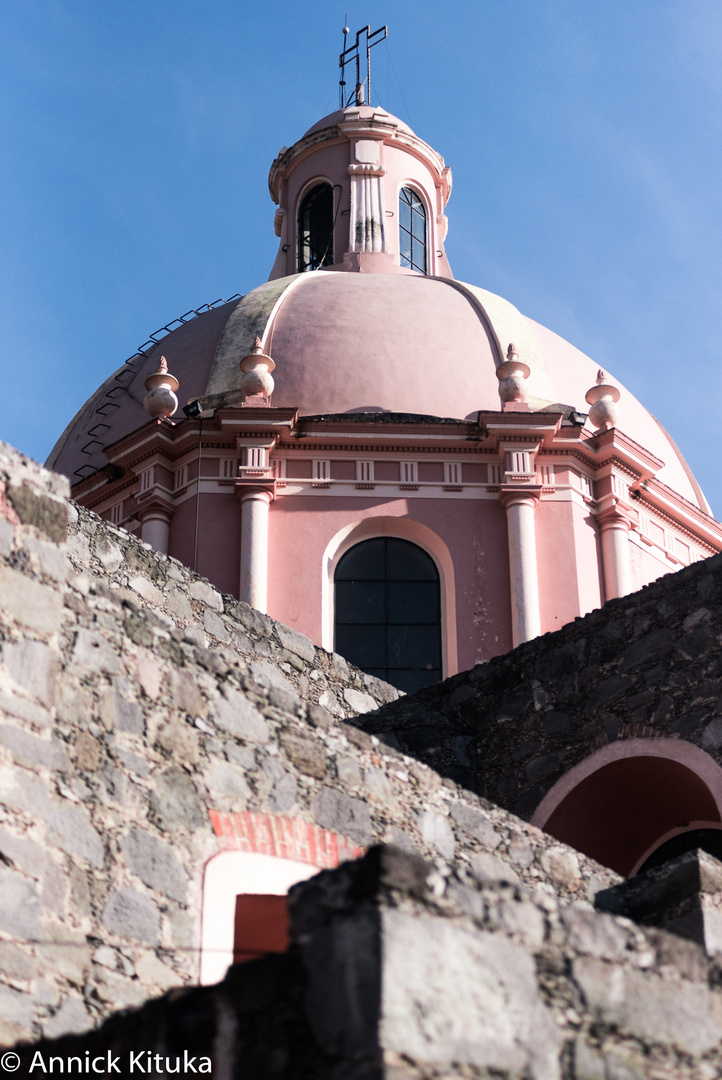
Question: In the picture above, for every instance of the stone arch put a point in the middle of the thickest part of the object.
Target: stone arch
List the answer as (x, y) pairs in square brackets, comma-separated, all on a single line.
[(618, 804)]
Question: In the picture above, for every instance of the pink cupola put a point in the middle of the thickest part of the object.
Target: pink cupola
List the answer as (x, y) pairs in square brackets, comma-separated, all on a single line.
[(418, 485), (360, 192)]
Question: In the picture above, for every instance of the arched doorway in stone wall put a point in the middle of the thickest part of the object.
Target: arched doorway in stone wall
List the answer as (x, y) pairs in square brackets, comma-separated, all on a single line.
[(621, 803)]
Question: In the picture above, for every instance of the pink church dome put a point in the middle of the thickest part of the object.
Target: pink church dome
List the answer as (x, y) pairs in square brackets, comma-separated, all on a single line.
[(349, 343), (382, 338)]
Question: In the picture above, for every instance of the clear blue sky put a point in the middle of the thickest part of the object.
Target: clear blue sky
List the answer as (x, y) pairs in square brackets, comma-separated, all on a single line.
[(584, 137)]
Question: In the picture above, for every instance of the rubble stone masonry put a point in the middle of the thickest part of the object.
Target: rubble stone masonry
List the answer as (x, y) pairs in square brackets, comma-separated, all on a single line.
[(148, 723)]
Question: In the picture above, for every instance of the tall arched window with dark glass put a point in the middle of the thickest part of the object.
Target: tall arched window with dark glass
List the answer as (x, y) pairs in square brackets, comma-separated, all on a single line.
[(412, 231), (315, 228), (388, 618)]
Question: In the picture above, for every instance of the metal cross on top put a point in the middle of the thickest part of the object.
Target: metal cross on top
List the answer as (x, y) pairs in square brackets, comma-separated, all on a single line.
[(354, 53)]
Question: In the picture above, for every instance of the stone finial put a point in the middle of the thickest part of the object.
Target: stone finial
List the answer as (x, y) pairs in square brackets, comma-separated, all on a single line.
[(160, 401), (257, 368), (603, 398), (512, 374)]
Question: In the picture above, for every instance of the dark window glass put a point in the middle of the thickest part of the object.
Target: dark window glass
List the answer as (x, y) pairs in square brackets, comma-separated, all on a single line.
[(412, 231), (388, 615), (315, 228)]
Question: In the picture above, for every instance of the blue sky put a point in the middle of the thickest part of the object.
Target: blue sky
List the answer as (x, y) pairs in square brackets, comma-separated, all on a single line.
[(135, 142)]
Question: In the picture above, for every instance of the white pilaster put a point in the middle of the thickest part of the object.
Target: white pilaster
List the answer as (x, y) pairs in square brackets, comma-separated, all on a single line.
[(155, 530), (615, 527), (254, 547), (520, 508), (367, 226)]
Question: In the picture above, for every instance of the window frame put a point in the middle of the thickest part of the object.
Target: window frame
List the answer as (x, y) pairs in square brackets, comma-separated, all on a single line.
[(428, 270), (405, 529), (381, 612), (307, 190)]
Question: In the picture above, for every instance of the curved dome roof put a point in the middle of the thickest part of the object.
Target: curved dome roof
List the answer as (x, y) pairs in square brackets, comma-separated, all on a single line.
[(362, 111), (358, 343)]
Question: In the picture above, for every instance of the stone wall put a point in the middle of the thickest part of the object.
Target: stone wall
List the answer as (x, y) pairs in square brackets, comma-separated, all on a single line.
[(644, 666), (404, 970), (147, 724)]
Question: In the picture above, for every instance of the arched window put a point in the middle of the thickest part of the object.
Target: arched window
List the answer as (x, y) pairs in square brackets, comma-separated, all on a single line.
[(388, 612), (315, 228), (412, 231)]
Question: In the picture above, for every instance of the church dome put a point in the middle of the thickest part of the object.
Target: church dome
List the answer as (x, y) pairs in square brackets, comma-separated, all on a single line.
[(355, 342), (380, 324)]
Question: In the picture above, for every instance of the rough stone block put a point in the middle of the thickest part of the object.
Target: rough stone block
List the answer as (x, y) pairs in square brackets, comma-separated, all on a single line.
[(649, 1007), (348, 772), (520, 852), (132, 915), (652, 646), (179, 740), (178, 605), (282, 798), (490, 869), (23, 790), (26, 601), (201, 590), (240, 755), (562, 866), (93, 651), (522, 920), (16, 1007), (359, 701), (349, 817), (109, 554), (475, 824), (296, 643), (29, 750), (25, 854), (378, 785), (71, 829), (72, 1018), (14, 963), (78, 549), (120, 714), (235, 714), (118, 990), (49, 559), (20, 910), (307, 755), (153, 972), (7, 536), (155, 863), (132, 762), (87, 751), (48, 516), (319, 717), (329, 703), (184, 693), (287, 701), (591, 934), (226, 779), (64, 953), (253, 620), (437, 833), (23, 709), (479, 1005), (213, 624), (175, 801), (147, 590), (268, 675)]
